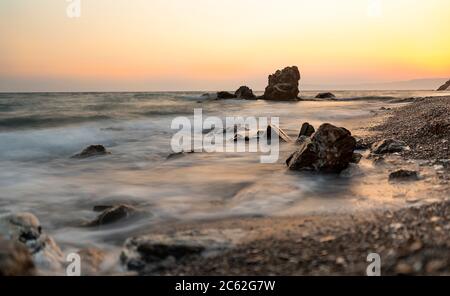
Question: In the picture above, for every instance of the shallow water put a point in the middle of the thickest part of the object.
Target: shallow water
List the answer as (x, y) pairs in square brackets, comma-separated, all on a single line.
[(40, 132)]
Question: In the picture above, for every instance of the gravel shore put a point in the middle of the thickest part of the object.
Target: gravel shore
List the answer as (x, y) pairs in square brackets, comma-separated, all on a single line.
[(410, 241)]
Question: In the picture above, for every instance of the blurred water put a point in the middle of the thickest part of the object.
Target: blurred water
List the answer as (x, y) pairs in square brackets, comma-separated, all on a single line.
[(40, 132)]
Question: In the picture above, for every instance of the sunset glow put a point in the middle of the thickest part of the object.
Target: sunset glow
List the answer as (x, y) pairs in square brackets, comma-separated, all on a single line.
[(212, 44)]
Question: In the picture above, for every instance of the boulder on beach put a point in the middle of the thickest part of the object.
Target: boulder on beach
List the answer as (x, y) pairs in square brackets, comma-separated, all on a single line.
[(25, 228), (91, 151), (330, 150), (445, 86), (388, 146), (244, 92), (283, 85), (15, 259), (222, 95), (325, 95), (112, 214)]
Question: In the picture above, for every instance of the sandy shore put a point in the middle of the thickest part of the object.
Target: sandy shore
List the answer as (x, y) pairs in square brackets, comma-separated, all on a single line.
[(413, 240)]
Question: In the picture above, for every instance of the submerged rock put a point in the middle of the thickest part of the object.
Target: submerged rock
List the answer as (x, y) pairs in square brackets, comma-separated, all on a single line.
[(151, 252), (273, 130), (404, 175), (113, 214), (179, 154), (225, 95), (388, 146), (15, 259), (445, 86), (91, 151), (325, 95), (91, 261), (26, 229), (329, 150), (244, 92), (283, 85), (307, 130), (356, 158)]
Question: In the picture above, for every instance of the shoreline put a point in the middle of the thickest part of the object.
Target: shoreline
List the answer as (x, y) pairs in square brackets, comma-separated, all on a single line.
[(411, 240)]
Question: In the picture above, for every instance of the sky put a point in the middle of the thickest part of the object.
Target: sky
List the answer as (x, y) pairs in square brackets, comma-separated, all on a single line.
[(157, 45)]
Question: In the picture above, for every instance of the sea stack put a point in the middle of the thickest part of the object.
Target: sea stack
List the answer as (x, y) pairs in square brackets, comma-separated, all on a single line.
[(445, 86), (283, 85)]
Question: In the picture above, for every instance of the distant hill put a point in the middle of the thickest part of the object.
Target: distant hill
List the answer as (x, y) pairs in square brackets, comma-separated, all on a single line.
[(416, 84), (445, 86)]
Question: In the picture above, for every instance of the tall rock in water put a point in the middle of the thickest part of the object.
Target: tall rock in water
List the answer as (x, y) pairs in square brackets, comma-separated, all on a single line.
[(446, 86), (283, 85)]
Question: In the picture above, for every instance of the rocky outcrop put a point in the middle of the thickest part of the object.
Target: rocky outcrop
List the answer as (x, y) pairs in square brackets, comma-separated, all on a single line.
[(112, 214), (388, 146), (25, 228), (325, 95), (222, 95), (283, 85), (91, 151), (244, 92), (15, 259), (330, 150), (445, 86)]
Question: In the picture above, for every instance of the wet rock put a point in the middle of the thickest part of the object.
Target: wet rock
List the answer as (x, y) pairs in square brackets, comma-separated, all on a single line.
[(356, 158), (361, 144), (307, 130), (151, 252), (113, 214), (283, 85), (388, 146), (274, 131), (91, 151), (445, 86), (325, 95), (329, 150), (244, 92), (26, 229), (15, 259), (223, 95), (404, 175)]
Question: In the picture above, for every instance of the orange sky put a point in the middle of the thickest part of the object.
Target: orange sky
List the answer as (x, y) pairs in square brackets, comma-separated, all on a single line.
[(215, 44)]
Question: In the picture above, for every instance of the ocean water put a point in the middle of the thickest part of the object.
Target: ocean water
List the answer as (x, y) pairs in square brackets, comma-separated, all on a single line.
[(40, 132)]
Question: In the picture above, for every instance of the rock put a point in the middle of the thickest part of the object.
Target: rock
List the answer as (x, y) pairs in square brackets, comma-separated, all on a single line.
[(222, 95), (325, 95), (403, 175), (15, 259), (300, 140), (330, 150), (356, 158), (150, 252), (307, 130), (283, 85), (245, 93), (26, 229), (445, 86), (273, 130), (388, 146), (178, 154), (361, 144), (113, 214), (91, 151)]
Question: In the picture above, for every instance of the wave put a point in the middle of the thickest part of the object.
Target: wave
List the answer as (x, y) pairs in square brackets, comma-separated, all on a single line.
[(36, 121)]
